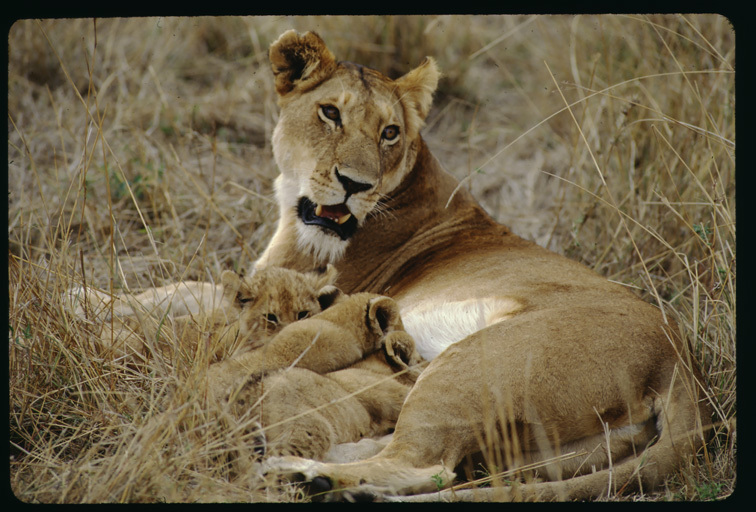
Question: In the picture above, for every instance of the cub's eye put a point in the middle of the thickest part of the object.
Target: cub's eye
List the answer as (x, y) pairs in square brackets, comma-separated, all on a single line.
[(331, 112), (302, 315), (270, 317), (390, 133), (243, 300)]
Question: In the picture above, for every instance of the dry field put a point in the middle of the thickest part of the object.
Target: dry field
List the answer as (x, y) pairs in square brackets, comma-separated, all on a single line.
[(139, 154)]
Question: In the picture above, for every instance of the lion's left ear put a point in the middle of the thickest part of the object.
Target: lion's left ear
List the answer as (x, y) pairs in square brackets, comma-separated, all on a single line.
[(416, 90), (300, 62)]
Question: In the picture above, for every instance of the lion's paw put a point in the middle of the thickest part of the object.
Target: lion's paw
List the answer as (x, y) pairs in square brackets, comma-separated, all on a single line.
[(312, 477), (365, 481), (298, 470), (289, 465)]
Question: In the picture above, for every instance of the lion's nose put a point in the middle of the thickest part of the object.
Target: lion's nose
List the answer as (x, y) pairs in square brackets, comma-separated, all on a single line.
[(351, 186)]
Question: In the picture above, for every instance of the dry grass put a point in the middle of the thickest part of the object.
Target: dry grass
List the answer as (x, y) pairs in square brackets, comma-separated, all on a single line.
[(139, 154)]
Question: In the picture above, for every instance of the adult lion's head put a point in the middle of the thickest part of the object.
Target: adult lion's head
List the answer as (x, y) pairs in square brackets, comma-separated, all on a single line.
[(346, 137)]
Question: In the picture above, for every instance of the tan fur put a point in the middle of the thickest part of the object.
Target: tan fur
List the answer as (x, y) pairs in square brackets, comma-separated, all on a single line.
[(316, 379), (342, 335), (249, 311), (270, 300), (535, 356), (325, 380)]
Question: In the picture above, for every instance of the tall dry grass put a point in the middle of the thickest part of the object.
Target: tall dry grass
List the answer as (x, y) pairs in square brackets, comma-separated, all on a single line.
[(139, 154)]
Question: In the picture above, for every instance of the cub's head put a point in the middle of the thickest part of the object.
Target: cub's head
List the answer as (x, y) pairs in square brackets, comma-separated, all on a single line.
[(345, 138), (273, 297)]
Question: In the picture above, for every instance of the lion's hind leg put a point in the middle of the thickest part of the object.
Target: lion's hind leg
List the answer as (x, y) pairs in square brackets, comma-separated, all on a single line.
[(591, 453), (679, 423), (526, 390)]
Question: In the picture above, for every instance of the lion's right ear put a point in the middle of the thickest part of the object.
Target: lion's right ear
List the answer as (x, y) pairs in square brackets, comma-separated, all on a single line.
[(300, 62)]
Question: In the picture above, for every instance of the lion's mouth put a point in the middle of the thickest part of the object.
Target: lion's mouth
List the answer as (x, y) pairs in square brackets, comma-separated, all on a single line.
[(336, 218)]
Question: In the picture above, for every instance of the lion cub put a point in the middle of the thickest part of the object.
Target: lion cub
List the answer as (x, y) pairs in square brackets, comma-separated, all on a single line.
[(337, 377), (272, 298), (253, 308)]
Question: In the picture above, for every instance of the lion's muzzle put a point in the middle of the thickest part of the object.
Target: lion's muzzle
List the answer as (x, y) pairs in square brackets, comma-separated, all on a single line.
[(335, 219)]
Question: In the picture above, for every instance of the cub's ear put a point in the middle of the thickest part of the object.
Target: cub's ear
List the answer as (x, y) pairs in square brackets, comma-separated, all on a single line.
[(326, 276), (383, 315), (416, 90), (238, 286), (300, 62), (231, 283), (328, 296)]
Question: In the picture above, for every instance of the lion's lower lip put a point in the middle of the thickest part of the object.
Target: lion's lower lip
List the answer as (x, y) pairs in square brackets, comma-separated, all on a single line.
[(333, 219)]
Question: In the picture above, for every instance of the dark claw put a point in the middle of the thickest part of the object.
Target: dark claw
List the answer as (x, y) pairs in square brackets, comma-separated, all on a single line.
[(317, 487)]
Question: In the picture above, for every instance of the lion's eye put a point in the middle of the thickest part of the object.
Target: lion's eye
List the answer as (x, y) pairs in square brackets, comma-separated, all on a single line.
[(270, 317), (331, 112), (390, 133), (243, 300), (302, 315)]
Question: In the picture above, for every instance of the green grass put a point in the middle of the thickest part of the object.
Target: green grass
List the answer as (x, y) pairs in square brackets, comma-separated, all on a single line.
[(139, 154)]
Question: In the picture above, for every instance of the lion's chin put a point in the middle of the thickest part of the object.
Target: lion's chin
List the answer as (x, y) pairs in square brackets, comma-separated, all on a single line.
[(332, 220), (324, 239)]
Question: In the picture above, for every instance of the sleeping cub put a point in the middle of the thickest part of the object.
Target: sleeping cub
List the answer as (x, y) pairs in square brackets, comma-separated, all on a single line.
[(337, 377), (263, 303), (318, 367)]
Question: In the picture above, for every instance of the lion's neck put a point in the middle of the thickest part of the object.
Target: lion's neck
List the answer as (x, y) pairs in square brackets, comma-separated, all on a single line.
[(414, 221)]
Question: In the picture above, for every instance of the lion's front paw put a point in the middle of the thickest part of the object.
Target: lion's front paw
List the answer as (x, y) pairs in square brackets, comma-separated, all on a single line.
[(288, 466), (305, 472), (312, 476), (374, 479)]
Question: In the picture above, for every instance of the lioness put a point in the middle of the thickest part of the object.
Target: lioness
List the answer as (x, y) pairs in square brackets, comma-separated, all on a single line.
[(531, 353)]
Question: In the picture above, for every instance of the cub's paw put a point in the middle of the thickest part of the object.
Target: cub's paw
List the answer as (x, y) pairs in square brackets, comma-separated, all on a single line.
[(399, 348)]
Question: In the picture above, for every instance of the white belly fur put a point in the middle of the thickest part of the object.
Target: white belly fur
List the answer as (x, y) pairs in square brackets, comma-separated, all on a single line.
[(436, 325)]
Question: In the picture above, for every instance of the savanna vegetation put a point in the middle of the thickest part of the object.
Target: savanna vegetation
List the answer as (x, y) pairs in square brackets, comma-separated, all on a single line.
[(139, 154)]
